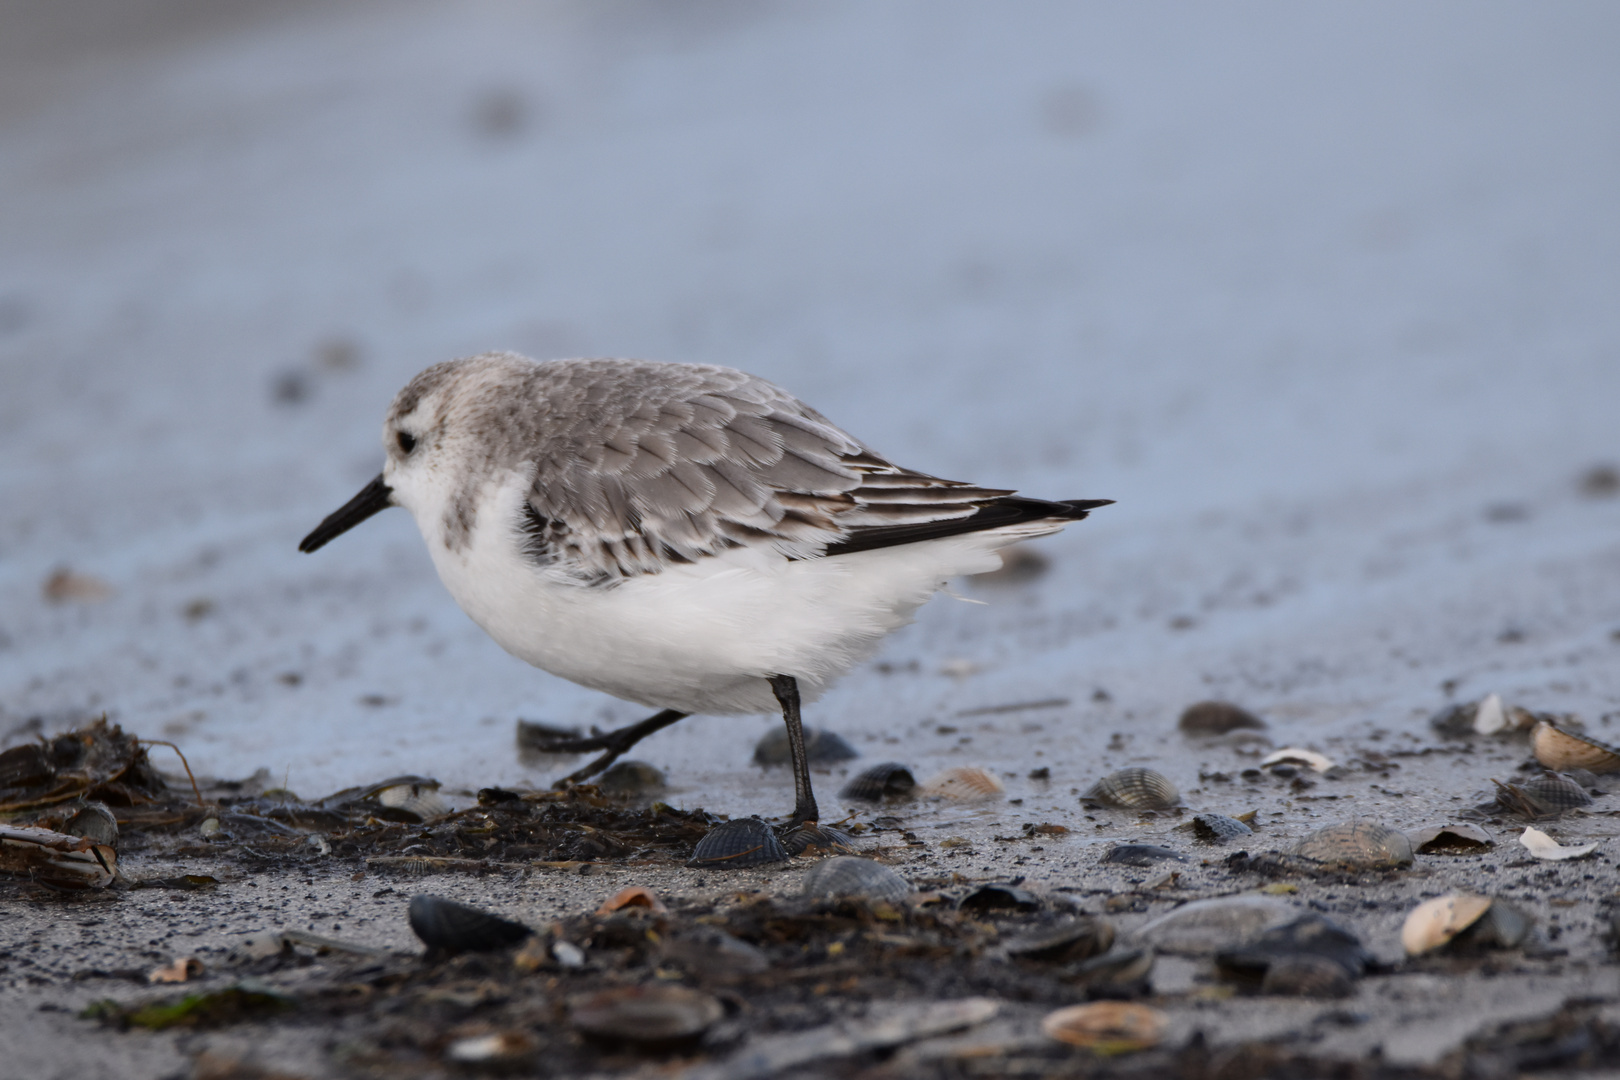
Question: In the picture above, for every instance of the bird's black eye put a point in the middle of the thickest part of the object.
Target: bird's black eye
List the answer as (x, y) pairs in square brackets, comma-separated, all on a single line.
[(407, 441)]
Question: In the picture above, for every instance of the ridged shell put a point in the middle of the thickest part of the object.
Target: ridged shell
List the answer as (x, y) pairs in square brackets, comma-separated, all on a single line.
[(1072, 939), (1359, 844), (1295, 755), (1218, 828), (815, 839), (820, 748), (1204, 926), (421, 798), (849, 875), (445, 924), (1107, 1026), (95, 822), (632, 778), (1307, 976), (635, 896), (1209, 718), (1141, 855), (1559, 749), (57, 859), (1134, 789), (1547, 795), (737, 844), (650, 1015), (880, 782), (1464, 919), (964, 782)]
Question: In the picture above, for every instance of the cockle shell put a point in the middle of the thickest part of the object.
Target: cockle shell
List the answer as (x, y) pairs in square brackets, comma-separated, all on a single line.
[(1107, 1026), (1134, 789), (1358, 844), (879, 782), (964, 782), (1469, 920), (1071, 939), (736, 844), (850, 875), (1560, 749), (1218, 828), (1294, 755), (1210, 718)]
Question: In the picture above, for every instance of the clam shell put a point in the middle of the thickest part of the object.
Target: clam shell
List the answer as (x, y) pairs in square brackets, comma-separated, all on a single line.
[(57, 859), (445, 924), (820, 747), (999, 896), (713, 955), (95, 822), (419, 797), (649, 1015), (1117, 972), (814, 839), (1294, 755), (1134, 789), (632, 778), (1218, 828), (849, 875), (1559, 749), (1450, 838), (1107, 1026), (880, 782), (1204, 926), (1141, 855), (1307, 976), (964, 782), (1071, 939), (1358, 844), (1209, 718), (1463, 922), (1307, 936), (633, 897), (737, 844)]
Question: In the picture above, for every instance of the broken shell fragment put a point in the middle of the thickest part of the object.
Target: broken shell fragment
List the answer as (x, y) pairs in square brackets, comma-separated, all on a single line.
[(1109, 1027), (1461, 922), (1294, 755), (505, 1051), (1072, 939), (820, 747), (1490, 717), (1560, 749), (445, 924), (400, 798), (964, 782), (1361, 844), (183, 969), (1210, 718), (656, 1015), (1542, 846), (887, 780), (632, 778), (738, 844), (849, 875), (1141, 855), (95, 822), (1452, 838), (1133, 789), (814, 839), (56, 859), (633, 897), (1204, 926), (1218, 828)]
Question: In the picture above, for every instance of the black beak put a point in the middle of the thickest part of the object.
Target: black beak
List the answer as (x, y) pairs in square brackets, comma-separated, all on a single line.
[(373, 497)]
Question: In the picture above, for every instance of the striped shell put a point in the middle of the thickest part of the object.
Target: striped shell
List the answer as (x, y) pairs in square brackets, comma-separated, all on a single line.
[(813, 839), (879, 782), (1107, 1026), (964, 782), (1209, 718), (1560, 749), (1360, 844), (1203, 926), (95, 822), (1218, 828), (445, 924), (1547, 795), (1134, 789), (1115, 972), (820, 747), (848, 875), (737, 844), (1072, 939), (650, 1015)]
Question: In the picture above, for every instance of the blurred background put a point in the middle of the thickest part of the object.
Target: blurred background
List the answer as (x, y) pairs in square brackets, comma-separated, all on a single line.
[(1324, 295)]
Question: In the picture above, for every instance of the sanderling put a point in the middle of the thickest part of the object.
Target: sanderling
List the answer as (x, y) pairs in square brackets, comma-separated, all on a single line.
[(687, 537)]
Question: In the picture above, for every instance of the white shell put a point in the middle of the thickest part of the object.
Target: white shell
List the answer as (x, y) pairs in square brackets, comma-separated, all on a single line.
[(1491, 717), (1542, 846), (1435, 922), (1297, 756)]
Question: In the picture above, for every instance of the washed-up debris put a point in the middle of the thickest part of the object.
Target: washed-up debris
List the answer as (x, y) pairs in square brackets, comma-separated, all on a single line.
[(634, 896), (1549, 795), (965, 783), (1362, 844), (452, 927), (95, 822), (1299, 958), (1141, 855), (848, 875), (821, 747), (1205, 926), (1488, 716), (505, 1051), (662, 1017), (242, 1000), (56, 859), (97, 762), (813, 838), (1211, 718), (400, 798), (632, 779), (999, 896), (1451, 838), (1133, 789), (1542, 846), (1122, 973), (1560, 749), (1461, 922), (712, 955), (183, 969), (888, 780), (737, 845), (1294, 755), (1219, 829), (1078, 938), (1107, 1027)]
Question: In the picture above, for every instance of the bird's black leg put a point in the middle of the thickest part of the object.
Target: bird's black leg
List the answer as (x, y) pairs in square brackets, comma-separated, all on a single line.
[(614, 743), (786, 688)]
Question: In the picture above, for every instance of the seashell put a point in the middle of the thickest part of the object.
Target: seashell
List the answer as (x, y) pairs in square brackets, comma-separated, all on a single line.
[(56, 859), (1109, 1027), (1307, 976), (1208, 718), (880, 782), (849, 875), (1218, 828), (1542, 846), (658, 1015), (184, 969), (632, 778), (633, 897), (964, 782), (400, 798), (1361, 844), (1293, 755), (1490, 717), (1203, 926), (999, 896), (445, 924), (95, 822), (814, 839), (1141, 855), (737, 844), (1133, 789), (1449, 839), (1463, 921), (820, 748), (1121, 972), (1309, 936), (714, 955), (505, 1051), (1547, 795), (1559, 749), (1071, 939)]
